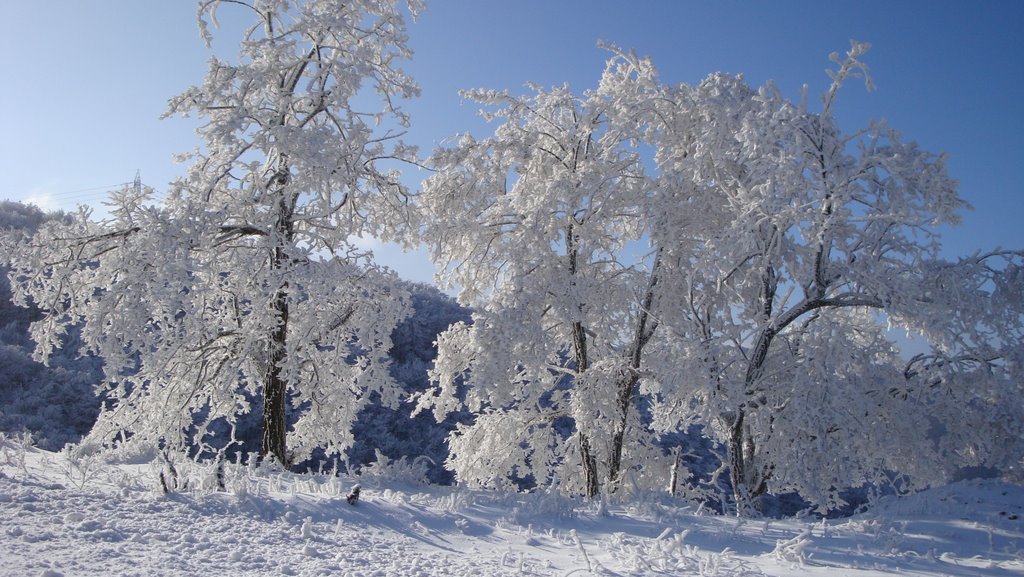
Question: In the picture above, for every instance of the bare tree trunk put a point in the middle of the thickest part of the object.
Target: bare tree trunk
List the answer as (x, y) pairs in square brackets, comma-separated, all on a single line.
[(673, 480), (275, 386), (741, 442), (579, 338), (274, 423), (626, 386), (590, 479), (591, 485), (737, 463)]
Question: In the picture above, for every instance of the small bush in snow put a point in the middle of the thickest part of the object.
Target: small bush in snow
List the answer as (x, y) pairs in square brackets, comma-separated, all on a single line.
[(793, 550), (401, 470)]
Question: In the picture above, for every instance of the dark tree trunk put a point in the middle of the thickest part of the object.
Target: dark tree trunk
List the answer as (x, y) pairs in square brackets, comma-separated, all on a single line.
[(590, 480), (741, 443), (579, 338), (626, 386), (749, 478), (738, 463), (275, 386), (747, 482), (589, 461)]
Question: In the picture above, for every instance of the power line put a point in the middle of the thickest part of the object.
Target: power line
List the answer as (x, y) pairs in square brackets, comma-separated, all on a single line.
[(91, 194), (77, 191)]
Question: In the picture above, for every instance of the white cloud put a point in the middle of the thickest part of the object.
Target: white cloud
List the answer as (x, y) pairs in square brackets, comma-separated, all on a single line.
[(43, 200)]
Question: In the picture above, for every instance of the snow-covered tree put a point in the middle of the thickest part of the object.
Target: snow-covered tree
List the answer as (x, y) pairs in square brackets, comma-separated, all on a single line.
[(538, 226), (243, 283), (745, 288), (806, 237)]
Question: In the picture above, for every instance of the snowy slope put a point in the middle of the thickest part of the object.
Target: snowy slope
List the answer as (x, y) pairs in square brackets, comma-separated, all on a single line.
[(57, 519)]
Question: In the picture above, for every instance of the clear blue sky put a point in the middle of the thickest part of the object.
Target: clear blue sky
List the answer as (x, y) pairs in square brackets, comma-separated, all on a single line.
[(84, 83)]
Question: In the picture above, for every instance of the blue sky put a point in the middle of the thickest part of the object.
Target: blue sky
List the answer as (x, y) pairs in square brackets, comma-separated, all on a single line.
[(86, 82)]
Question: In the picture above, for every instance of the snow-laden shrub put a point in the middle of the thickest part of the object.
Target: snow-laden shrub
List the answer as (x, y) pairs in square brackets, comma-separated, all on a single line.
[(13, 449), (793, 550), (669, 554), (400, 470), (541, 507)]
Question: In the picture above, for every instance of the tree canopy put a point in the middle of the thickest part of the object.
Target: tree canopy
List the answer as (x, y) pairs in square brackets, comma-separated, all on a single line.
[(742, 286), (244, 279)]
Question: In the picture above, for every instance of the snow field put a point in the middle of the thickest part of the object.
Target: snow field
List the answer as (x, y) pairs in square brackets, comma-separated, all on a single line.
[(69, 532), (117, 522)]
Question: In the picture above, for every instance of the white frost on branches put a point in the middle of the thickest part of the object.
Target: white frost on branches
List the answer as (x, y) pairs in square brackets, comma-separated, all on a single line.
[(776, 246), (243, 284)]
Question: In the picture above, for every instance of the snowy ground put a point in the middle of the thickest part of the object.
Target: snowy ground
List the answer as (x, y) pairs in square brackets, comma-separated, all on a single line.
[(59, 519)]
